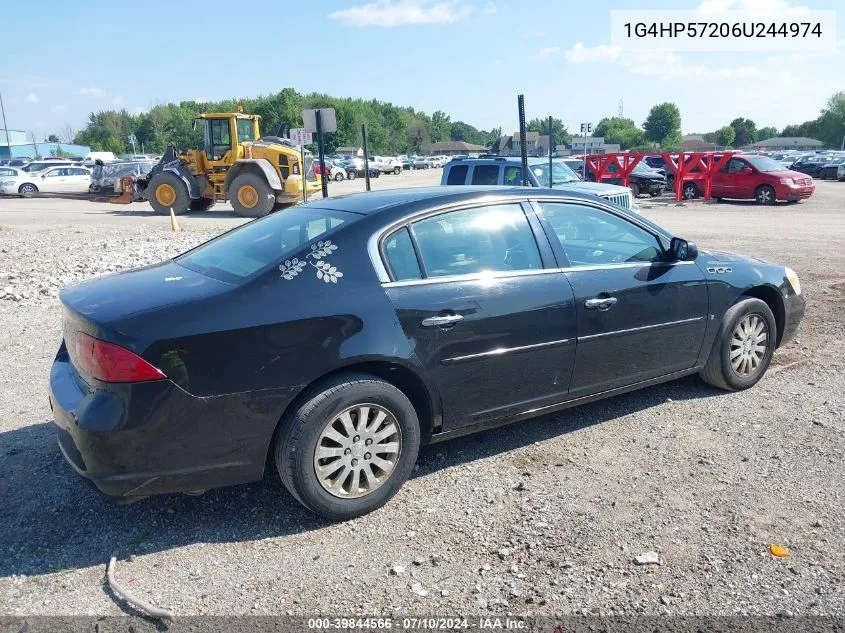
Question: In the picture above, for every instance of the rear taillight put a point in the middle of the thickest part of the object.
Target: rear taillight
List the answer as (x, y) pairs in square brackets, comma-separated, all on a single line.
[(109, 362)]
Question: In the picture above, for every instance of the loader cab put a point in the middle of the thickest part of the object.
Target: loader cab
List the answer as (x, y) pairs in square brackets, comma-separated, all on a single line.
[(224, 132)]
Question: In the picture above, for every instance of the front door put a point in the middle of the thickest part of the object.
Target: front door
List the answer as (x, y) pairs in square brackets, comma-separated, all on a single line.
[(56, 180), (494, 329), (639, 315)]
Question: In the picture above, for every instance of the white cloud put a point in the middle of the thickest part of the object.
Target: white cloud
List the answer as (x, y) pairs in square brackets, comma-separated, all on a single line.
[(391, 13), (59, 107), (580, 54), (766, 8), (93, 92), (490, 9), (31, 98), (546, 52), (118, 100), (139, 110)]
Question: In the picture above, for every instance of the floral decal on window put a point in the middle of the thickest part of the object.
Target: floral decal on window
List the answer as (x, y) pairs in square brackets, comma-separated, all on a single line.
[(316, 259)]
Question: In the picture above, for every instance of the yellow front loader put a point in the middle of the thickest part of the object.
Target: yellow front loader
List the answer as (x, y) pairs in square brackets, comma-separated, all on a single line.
[(258, 174)]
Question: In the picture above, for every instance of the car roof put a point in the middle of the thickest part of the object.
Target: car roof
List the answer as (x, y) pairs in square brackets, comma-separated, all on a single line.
[(374, 202)]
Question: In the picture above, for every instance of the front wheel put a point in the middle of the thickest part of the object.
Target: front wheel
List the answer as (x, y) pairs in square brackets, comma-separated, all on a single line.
[(168, 191), (351, 175), (338, 176), (765, 195), (743, 347), (635, 189), (349, 447)]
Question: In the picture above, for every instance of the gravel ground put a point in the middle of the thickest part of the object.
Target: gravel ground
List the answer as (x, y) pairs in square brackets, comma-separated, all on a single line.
[(545, 517)]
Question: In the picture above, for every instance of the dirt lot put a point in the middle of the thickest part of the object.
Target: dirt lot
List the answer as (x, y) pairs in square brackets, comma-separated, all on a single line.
[(543, 517)]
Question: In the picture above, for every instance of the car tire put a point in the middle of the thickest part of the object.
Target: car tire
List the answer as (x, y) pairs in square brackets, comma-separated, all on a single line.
[(690, 191), (635, 189), (251, 196), (731, 346), (765, 194), (397, 171), (27, 190), (329, 416), (338, 177), (654, 194), (168, 191), (351, 175)]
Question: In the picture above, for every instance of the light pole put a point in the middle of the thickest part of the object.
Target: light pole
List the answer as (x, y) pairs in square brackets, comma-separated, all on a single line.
[(5, 127)]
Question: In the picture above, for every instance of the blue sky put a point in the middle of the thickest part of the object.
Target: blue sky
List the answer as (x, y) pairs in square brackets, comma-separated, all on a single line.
[(469, 58)]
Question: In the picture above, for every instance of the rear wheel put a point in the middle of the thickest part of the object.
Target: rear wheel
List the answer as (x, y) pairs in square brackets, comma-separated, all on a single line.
[(743, 347), (168, 191), (251, 196), (349, 447), (27, 190), (765, 195), (397, 171), (351, 175), (202, 204)]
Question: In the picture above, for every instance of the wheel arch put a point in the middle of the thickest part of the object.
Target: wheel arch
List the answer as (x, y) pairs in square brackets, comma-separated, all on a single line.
[(772, 297), (259, 166), (191, 181), (423, 395)]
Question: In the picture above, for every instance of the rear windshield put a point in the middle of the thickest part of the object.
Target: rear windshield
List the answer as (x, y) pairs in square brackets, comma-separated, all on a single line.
[(257, 246)]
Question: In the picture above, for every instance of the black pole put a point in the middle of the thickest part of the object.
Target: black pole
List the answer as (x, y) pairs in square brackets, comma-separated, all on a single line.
[(523, 147), (323, 180), (366, 156), (551, 145)]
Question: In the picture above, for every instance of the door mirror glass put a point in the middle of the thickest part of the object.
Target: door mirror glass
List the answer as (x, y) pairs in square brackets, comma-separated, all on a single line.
[(683, 251)]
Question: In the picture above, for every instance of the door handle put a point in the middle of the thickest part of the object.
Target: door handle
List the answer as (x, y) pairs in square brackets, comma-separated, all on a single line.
[(604, 303), (442, 321)]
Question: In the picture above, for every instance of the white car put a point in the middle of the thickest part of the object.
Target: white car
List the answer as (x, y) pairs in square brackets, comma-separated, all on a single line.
[(61, 179), (336, 172), (386, 164)]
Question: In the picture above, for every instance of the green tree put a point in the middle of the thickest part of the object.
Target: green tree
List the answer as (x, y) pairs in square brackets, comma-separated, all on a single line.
[(765, 132), (744, 131), (663, 125), (725, 136), (440, 127), (620, 130), (541, 125)]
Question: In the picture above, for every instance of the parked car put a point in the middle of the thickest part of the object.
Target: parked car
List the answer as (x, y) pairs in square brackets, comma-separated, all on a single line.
[(40, 165), (508, 171), (422, 162), (364, 323), (13, 172), (338, 171), (840, 172), (810, 164), (387, 165), (830, 168), (761, 178), (61, 179), (355, 167), (408, 162), (643, 179)]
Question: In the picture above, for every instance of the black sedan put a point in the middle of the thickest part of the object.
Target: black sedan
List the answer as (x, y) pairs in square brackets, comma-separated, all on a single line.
[(338, 336), (830, 168)]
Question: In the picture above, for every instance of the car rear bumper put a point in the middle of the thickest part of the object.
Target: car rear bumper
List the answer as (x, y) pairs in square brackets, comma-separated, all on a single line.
[(794, 306), (135, 440)]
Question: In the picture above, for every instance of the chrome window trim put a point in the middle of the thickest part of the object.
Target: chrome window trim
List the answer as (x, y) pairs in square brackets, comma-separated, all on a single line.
[(502, 351), (375, 240), (639, 329), (493, 275)]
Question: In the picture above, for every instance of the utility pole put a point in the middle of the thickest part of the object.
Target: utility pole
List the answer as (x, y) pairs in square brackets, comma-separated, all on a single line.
[(5, 127)]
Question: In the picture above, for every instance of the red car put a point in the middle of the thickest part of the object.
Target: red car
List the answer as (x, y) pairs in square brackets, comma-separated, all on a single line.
[(748, 176)]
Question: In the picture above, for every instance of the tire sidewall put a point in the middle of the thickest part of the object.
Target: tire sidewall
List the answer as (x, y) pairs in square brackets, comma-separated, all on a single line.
[(635, 189), (30, 191), (295, 451), (183, 199), (765, 188), (732, 318), (265, 197)]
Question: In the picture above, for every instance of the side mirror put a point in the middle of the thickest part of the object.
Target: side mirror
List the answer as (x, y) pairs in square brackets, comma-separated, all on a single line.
[(682, 251)]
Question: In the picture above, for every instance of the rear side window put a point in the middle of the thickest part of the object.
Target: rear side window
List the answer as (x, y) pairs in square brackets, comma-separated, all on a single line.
[(257, 246), (457, 175), (494, 237), (401, 258), (485, 175)]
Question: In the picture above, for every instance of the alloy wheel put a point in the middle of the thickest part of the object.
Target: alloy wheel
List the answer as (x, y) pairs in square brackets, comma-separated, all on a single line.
[(357, 451), (764, 196), (749, 343)]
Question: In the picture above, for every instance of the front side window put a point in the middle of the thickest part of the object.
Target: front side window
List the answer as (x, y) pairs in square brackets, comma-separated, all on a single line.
[(512, 176), (735, 165), (257, 246), (245, 130), (218, 139), (488, 238), (485, 175), (55, 173), (592, 236)]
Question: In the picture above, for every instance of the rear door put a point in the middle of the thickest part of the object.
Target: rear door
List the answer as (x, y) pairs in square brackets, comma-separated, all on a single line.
[(79, 179), (492, 322), (640, 316), (486, 174), (55, 181)]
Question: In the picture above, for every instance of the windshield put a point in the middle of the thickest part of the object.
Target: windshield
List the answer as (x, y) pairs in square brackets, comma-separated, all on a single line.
[(258, 246), (561, 173), (764, 163)]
